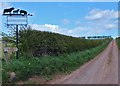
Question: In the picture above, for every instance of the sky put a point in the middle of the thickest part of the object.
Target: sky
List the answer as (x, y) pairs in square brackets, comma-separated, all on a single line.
[(70, 18)]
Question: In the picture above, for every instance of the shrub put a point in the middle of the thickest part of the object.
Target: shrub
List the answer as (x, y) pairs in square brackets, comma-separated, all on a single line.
[(35, 43)]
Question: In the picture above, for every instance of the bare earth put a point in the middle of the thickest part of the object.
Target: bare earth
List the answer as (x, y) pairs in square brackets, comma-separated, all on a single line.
[(101, 70)]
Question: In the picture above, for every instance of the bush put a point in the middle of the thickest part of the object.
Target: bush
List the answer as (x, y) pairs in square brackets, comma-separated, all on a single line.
[(35, 43)]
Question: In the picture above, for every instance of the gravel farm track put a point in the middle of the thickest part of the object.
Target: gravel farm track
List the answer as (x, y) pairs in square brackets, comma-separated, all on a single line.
[(103, 69)]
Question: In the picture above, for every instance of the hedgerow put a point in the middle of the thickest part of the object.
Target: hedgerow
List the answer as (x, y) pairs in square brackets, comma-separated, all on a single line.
[(37, 43)]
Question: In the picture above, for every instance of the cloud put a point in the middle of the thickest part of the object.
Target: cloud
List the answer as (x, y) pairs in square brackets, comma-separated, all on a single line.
[(110, 26), (85, 29), (52, 27), (105, 19), (76, 31), (46, 27), (65, 21), (98, 22), (57, 29), (98, 14)]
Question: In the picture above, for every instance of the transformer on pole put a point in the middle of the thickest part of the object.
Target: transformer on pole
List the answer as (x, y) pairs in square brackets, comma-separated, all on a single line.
[(15, 19)]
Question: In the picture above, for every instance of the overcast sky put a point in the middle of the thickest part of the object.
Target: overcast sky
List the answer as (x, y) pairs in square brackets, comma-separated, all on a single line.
[(70, 18)]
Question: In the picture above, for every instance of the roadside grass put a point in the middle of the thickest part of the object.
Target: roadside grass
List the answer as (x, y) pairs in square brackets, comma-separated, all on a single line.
[(49, 65), (118, 42), (1, 50)]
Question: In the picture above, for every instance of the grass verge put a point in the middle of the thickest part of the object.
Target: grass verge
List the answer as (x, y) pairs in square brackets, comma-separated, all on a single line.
[(118, 42), (49, 65)]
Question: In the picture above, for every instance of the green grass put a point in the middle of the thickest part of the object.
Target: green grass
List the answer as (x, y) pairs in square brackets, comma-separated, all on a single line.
[(1, 50), (118, 42), (49, 65)]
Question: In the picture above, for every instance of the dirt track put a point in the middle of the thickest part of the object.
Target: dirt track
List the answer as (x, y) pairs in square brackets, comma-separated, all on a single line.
[(101, 70)]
